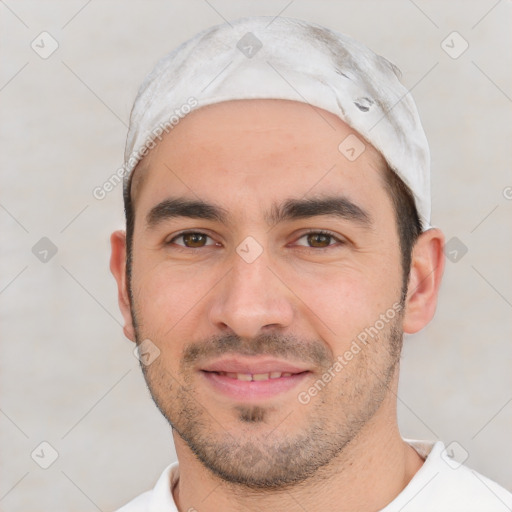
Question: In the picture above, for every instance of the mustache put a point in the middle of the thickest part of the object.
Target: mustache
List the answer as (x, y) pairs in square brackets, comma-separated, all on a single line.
[(269, 344)]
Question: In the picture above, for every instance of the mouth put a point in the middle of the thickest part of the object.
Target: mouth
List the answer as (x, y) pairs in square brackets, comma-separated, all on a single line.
[(246, 379)]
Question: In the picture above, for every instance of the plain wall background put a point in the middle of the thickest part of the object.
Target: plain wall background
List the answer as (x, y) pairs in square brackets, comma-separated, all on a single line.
[(68, 375)]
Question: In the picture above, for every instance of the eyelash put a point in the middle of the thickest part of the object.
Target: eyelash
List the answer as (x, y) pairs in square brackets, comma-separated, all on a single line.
[(312, 232)]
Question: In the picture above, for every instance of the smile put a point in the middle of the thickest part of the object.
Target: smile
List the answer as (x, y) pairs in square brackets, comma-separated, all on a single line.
[(255, 376), (252, 379)]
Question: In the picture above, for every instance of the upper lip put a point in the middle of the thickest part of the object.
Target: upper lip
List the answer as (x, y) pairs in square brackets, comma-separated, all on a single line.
[(253, 365)]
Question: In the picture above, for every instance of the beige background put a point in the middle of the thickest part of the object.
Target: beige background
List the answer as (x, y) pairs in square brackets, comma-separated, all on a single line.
[(68, 376)]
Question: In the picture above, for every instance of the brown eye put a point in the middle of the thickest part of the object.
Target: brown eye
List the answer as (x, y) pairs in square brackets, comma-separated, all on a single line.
[(192, 240), (319, 240)]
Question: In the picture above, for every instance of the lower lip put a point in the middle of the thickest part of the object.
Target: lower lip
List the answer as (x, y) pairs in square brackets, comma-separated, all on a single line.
[(254, 389)]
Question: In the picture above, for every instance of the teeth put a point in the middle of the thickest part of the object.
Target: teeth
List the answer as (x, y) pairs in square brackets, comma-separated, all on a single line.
[(255, 376)]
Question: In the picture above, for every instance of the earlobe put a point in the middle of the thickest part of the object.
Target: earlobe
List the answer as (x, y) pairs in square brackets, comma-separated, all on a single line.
[(427, 266), (118, 269)]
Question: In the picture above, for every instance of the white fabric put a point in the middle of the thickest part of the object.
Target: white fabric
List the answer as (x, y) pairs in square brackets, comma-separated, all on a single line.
[(439, 486), (284, 58)]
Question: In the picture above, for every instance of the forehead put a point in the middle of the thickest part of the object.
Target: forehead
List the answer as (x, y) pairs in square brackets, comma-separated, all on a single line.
[(268, 147)]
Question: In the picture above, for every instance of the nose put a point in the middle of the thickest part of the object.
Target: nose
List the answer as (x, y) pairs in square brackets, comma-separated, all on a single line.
[(252, 298)]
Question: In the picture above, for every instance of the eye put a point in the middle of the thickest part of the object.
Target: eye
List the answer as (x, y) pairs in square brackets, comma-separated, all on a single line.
[(319, 240), (192, 240)]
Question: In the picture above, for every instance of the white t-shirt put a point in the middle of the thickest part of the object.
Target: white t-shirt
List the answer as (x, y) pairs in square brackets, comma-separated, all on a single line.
[(441, 485)]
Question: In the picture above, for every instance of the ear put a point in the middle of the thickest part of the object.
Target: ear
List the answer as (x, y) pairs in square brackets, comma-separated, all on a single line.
[(427, 266), (118, 269)]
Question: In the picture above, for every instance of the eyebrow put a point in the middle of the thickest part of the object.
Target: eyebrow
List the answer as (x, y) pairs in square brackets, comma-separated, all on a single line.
[(336, 206), (291, 209)]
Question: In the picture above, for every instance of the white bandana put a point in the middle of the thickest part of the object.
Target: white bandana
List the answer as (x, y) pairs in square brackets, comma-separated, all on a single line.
[(284, 58)]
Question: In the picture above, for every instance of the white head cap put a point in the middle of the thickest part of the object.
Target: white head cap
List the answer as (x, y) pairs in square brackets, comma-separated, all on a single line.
[(284, 58)]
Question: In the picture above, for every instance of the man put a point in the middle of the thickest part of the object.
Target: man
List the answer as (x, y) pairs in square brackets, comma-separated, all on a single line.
[(277, 248)]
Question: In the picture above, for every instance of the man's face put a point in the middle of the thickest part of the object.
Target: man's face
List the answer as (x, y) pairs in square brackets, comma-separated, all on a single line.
[(254, 306)]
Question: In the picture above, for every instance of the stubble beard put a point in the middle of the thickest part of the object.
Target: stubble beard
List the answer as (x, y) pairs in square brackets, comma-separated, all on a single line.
[(261, 453)]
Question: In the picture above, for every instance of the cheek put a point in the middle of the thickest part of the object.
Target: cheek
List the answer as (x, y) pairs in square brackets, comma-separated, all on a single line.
[(341, 302), (166, 296)]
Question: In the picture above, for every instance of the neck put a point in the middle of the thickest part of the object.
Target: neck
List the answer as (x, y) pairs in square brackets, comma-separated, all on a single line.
[(367, 475)]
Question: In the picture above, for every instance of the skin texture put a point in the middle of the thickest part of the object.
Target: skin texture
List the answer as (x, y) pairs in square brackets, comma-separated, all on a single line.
[(304, 300)]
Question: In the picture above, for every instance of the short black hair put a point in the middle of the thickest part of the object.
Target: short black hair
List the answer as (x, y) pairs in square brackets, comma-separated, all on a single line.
[(408, 222)]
